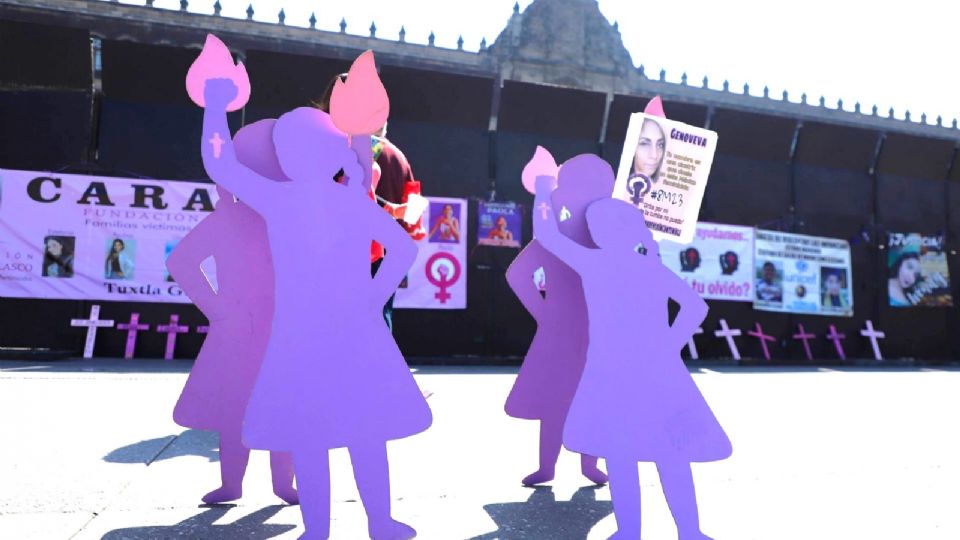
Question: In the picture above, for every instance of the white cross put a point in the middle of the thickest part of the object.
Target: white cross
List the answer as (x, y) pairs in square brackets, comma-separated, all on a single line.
[(692, 347), (729, 333), (92, 324), (872, 334)]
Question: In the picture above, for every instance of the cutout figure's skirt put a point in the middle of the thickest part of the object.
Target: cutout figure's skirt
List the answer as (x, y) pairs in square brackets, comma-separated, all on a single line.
[(548, 378), (348, 389)]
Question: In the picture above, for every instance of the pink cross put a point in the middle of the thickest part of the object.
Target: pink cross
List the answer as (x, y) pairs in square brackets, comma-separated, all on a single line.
[(217, 143), (543, 208), (171, 330), (692, 347), (837, 338), (132, 328), (873, 335), (729, 333), (764, 338), (92, 324), (803, 335)]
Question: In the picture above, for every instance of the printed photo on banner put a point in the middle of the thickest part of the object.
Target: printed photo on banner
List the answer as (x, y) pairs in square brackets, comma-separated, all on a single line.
[(58, 256), (918, 274), (444, 223), (499, 224), (797, 273), (167, 250), (717, 264), (121, 253), (438, 278), (78, 237), (663, 170)]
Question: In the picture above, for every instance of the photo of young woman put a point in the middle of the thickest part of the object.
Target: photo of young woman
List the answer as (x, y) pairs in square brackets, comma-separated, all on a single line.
[(58, 256), (500, 231), (903, 278), (119, 262), (445, 223), (648, 158)]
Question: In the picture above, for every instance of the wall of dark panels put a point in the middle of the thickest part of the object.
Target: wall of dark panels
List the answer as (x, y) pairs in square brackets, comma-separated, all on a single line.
[(42, 56), (281, 82), (44, 129), (744, 191)]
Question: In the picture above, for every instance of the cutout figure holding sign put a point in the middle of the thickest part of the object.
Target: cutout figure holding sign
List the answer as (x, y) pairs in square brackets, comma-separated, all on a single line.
[(628, 408), (332, 376), (216, 394), (551, 369)]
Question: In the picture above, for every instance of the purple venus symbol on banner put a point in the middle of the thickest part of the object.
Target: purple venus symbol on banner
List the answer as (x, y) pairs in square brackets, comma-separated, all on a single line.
[(873, 335), (729, 333), (443, 271), (692, 347), (132, 328), (837, 339), (551, 370), (92, 324), (764, 338), (630, 406), (332, 375), (171, 330), (805, 337)]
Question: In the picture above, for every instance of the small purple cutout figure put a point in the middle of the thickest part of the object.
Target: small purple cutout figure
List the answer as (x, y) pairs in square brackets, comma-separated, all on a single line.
[(636, 400), (551, 370), (217, 391), (332, 375)]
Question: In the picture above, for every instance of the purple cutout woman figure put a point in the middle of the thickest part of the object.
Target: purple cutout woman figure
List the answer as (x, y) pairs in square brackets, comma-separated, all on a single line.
[(636, 400), (332, 376), (551, 370), (217, 391)]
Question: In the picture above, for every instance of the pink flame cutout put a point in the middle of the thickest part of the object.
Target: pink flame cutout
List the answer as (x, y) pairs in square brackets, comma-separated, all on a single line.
[(655, 108), (360, 106), (215, 62), (541, 164)]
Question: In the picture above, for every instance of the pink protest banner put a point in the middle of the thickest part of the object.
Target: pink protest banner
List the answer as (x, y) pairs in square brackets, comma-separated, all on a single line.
[(74, 237), (438, 278), (718, 264)]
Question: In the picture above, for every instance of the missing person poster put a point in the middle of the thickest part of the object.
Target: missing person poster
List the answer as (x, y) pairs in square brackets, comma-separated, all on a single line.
[(499, 224), (438, 278), (918, 274), (802, 274), (718, 264), (74, 237), (663, 171)]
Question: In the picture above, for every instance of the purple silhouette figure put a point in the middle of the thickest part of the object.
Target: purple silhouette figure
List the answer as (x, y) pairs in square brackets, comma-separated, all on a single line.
[(551, 370), (332, 376), (636, 401), (217, 391)]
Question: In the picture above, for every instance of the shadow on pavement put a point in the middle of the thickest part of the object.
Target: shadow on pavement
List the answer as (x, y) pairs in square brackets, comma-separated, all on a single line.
[(192, 442), (250, 527), (542, 516)]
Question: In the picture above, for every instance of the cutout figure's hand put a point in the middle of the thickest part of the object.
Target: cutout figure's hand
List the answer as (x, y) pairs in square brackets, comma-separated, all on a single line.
[(218, 93), (545, 185)]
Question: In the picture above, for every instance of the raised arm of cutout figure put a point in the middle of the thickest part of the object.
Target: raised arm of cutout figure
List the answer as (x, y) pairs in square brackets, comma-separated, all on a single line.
[(219, 157), (551, 369)]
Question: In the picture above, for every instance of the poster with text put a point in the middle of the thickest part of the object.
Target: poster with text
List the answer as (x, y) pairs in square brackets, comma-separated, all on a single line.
[(438, 278), (499, 224), (718, 264), (663, 171), (74, 237), (918, 274), (797, 273)]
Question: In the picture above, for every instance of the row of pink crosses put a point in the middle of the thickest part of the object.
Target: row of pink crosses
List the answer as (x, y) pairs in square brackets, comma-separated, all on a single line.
[(133, 328), (836, 337)]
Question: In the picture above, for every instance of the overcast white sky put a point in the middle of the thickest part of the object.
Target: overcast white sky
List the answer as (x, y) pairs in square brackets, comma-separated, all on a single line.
[(892, 54)]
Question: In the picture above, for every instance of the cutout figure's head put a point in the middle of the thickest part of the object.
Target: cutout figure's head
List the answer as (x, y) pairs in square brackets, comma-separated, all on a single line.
[(582, 180), (311, 149), (618, 225)]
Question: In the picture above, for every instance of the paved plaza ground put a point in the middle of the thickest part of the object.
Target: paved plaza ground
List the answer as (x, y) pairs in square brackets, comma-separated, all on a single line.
[(88, 450)]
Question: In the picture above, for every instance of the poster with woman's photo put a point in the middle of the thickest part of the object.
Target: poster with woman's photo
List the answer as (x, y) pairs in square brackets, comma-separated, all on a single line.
[(797, 273), (663, 171), (58, 256), (498, 224), (917, 271), (438, 277)]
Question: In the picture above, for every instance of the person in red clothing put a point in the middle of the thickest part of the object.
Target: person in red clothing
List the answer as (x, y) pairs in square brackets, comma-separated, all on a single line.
[(390, 188)]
